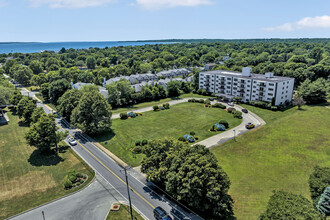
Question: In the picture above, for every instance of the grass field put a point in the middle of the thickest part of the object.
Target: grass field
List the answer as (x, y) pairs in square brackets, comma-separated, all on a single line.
[(179, 120), (147, 104), (123, 214), (278, 156), (27, 178)]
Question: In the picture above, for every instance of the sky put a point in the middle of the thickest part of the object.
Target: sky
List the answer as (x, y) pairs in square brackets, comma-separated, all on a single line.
[(124, 20)]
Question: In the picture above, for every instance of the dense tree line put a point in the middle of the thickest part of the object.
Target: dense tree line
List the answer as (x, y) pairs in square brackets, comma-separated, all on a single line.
[(190, 174)]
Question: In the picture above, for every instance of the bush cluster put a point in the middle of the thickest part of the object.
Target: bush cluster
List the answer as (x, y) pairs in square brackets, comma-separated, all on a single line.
[(225, 123), (237, 114), (264, 105), (219, 105), (73, 178), (231, 109), (123, 116), (141, 143), (198, 101), (131, 114), (189, 138), (166, 106)]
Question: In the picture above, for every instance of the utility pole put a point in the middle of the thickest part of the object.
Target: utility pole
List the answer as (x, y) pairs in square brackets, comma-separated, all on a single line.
[(234, 135), (129, 195)]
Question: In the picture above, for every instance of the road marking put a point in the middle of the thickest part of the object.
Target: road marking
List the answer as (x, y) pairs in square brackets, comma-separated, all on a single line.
[(109, 169)]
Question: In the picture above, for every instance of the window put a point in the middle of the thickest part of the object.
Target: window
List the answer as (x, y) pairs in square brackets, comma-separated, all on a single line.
[(271, 89), (254, 87), (235, 79), (248, 90), (271, 84), (228, 78), (270, 94), (287, 87)]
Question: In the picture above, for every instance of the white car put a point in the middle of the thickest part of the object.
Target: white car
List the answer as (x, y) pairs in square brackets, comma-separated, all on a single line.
[(231, 104), (72, 142)]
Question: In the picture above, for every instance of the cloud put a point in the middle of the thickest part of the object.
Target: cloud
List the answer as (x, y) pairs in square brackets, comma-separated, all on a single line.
[(157, 4), (69, 3), (305, 23)]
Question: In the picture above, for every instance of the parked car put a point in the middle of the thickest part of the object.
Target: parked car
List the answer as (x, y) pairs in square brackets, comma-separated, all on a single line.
[(211, 99), (231, 104), (245, 110), (161, 214), (249, 125), (72, 142)]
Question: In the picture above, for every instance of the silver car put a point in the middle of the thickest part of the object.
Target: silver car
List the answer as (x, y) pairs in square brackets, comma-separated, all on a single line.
[(72, 142)]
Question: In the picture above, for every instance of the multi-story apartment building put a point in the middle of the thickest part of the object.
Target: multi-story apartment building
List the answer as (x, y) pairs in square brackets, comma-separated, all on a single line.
[(247, 85)]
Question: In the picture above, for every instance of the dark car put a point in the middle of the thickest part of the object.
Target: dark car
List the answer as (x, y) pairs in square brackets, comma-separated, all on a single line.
[(211, 99), (245, 110), (161, 214)]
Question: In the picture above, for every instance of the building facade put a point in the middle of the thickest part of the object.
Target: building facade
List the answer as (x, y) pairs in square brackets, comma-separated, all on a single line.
[(247, 85)]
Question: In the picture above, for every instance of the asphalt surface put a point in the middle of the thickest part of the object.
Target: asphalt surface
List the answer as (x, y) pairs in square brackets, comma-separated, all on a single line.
[(143, 194), (233, 132), (93, 202)]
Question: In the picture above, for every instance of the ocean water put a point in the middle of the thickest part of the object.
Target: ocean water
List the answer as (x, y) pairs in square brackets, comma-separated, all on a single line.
[(56, 46)]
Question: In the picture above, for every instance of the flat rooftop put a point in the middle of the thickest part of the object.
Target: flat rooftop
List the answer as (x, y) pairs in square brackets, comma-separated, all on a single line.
[(253, 75)]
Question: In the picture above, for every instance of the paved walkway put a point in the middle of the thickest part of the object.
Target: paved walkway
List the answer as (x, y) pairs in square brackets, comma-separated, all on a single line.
[(93, 202), (146, 109)]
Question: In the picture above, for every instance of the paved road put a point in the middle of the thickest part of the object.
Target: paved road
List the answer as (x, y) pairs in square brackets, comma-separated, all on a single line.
[(143, 195), (93, 202), (234, 132)]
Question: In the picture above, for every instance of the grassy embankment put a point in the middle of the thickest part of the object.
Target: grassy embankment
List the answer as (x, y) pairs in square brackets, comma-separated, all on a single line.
[(279, 156), (27, 178), (123, 214), (179, 120)]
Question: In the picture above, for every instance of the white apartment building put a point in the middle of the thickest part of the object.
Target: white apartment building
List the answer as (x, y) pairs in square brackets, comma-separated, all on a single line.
[(247, 85)]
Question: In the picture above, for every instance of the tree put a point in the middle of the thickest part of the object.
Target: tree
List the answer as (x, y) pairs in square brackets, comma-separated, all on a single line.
[(42, 134), (314, 92), (299, 101), (16, 97), (119, 92), (8, 65), (28, 111), (90, 62), (37, 113), (5, 95), (284, 205), (324, 203), (190, 174), (318, 181), (44, 89), (36, 67), (57, 89), (173, 88), (92, 115), (21, 106), (316, 53), (22, 74), (68, 102)]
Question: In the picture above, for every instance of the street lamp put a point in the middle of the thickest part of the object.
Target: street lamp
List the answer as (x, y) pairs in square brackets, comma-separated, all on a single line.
[(234, 134)]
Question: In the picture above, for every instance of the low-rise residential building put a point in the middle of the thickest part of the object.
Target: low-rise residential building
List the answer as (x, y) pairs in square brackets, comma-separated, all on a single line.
[(247, 85)]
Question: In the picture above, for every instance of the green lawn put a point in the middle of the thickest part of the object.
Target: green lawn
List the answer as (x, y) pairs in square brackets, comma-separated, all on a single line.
[(123, 214), (27, 178), (147, 104), (179, 120), (278, 156)]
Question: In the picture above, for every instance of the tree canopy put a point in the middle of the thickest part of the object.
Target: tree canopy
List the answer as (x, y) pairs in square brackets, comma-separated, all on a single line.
[(190, 174)]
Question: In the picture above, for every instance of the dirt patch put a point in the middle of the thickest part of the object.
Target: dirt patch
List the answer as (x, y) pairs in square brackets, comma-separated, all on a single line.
[(19, 186)]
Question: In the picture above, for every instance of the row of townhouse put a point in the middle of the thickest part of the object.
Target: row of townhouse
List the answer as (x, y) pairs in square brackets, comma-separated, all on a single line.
[(139, 78), (161, 82), (247, 85)]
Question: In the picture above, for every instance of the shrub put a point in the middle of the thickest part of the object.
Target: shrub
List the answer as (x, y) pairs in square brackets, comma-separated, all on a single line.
[(201, 101), (189, 138), (237, 114), (218, 105), (137, 143), (144, 142), (212, 128), (231, 109), (224, 123), (219, 127), (206, 105), (138, 114), (131, 114), (162, 108), (155, 107), (182, 139), (123, 115), (68, 184), (166, 106), (274, 108), (208, 102), (196, 137), (192, 133)]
